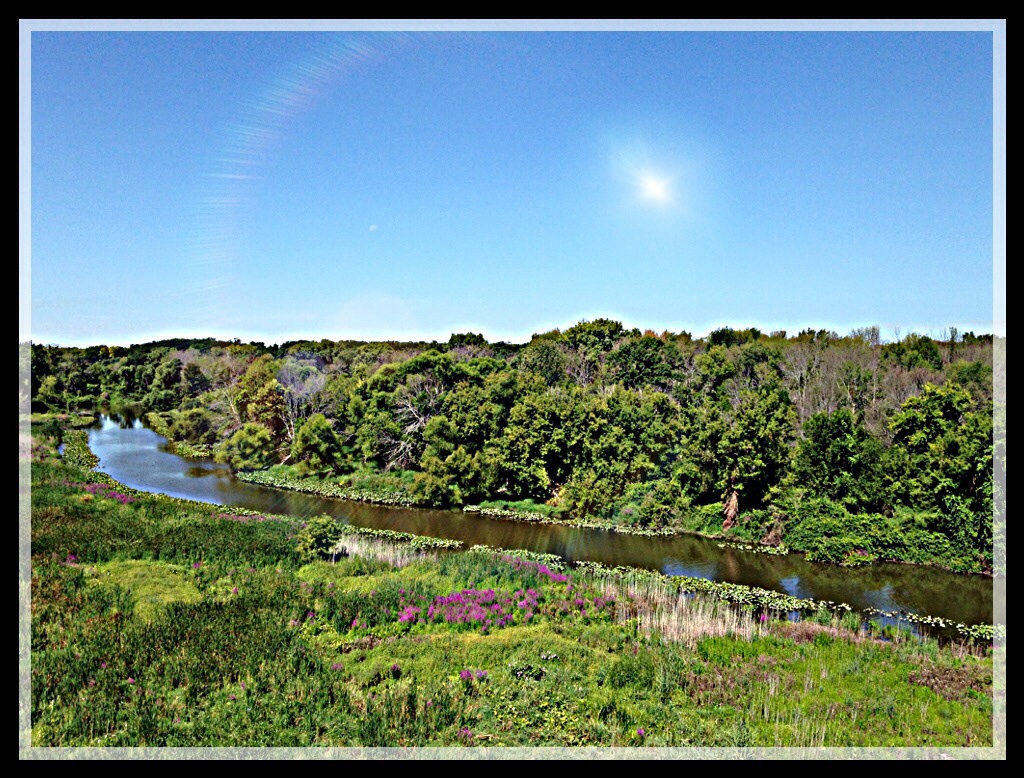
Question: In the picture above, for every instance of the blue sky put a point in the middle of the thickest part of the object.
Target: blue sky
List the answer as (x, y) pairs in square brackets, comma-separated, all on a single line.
[(405, 185)]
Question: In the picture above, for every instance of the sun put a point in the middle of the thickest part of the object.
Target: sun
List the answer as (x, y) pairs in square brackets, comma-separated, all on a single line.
[(655, 189)]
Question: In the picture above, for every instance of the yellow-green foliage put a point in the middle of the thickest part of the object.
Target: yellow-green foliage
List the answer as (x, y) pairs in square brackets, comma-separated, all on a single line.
[(152, 585)]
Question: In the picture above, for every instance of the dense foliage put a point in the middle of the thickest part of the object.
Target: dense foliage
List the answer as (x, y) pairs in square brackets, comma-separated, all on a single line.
[(841, 446)]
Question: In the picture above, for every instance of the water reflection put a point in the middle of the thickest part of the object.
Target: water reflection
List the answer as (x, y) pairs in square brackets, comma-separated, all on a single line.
[(198, 471), (138, 457)]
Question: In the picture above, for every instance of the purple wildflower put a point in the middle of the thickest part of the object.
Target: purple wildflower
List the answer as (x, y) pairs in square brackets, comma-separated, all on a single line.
[(640, 732), (481, 674), (466, 675), (130, 679), (336, 666), (196, 565)]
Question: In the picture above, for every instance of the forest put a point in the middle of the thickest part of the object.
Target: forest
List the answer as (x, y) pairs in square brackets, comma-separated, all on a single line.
[(847, 448)]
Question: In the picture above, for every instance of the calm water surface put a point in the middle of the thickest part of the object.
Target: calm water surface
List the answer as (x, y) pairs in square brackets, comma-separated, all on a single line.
[(138, 457)]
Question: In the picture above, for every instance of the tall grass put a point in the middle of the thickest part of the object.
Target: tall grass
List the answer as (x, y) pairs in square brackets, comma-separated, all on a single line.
[(660, 608), (393, 553)]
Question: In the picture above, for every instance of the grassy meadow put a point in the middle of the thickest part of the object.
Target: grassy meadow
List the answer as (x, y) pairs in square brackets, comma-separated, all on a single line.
[(161, 622)]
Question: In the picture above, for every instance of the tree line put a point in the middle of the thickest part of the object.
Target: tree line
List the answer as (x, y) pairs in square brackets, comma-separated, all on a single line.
[(848, 446)]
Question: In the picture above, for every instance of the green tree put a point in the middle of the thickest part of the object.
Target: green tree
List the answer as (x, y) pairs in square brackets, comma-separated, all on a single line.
[(451, 481), (642, 362), (838, 459), (737, 448), (316, 446), (259, 397), (595, 338), (544, 358), (249, 448), (166, 390), (195, 381), (941, 460), (318, 539), (914, 351), (194, 425), (51, 395)]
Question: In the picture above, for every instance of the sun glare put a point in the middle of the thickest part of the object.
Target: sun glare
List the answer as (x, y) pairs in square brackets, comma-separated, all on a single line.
[(655, 189)]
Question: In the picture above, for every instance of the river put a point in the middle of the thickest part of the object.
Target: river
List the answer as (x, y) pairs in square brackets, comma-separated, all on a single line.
[(138, 457)]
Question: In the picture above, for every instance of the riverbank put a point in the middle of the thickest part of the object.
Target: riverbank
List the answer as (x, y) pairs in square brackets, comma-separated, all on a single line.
[(194, 625), (756, 597), (137, 456), (837, 544), (793, 518)]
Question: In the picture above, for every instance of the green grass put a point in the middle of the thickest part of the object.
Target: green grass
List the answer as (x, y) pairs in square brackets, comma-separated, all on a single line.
[(152, 585), (158, 622)]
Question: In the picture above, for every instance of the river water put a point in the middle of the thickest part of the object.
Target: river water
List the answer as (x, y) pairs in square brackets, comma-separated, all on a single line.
[(138, 457)]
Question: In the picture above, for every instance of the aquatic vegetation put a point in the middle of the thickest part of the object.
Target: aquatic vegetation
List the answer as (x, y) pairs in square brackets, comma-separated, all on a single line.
[(192, 450), (419, 542), (326, 488), (779, 550), (588, 522), (76, 449)]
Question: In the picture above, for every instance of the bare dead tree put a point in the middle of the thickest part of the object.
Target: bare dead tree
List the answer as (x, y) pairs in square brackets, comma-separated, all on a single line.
[(224, 369), (417, 401), (466, 352), (303, 384), (800, 368), (578, 367), (399, 452)]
